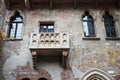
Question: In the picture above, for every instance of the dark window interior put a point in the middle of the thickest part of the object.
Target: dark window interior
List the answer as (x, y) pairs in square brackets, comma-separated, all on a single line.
[(88, 25), (109, 25), (46, 27)]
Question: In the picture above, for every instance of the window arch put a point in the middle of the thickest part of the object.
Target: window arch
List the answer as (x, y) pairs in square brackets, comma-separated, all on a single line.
[(109, 25), (25, 79), (88, 25), (96, 74), (15, 30), (95, 77)]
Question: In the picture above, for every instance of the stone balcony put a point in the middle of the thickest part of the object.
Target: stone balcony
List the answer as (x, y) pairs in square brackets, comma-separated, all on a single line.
[(50, 44), (49, 41)]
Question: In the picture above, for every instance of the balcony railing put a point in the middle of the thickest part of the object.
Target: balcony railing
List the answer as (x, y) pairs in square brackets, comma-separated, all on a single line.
[(49, 41)]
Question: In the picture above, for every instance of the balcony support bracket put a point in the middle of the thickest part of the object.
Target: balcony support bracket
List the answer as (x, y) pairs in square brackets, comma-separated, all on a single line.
[(34, 56), (64, 59)]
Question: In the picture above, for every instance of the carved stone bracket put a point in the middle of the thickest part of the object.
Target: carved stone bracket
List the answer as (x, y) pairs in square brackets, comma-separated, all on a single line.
[(118, 3), (34, 56), (64, 59), (75, 4), (7, 4), (51, 4), (28, 4), (95, 3)]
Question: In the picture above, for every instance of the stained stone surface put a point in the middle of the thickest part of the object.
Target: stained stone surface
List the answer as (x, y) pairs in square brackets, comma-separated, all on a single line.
[(83, 55)]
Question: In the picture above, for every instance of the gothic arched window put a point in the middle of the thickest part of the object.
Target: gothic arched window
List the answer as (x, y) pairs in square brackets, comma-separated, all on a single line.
[(15, 30), (109, 25), (88, 25)]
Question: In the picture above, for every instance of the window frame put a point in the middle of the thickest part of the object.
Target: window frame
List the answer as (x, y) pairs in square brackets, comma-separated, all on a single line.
[(47, 24), (88, 26), (17, 25), (109, 26)]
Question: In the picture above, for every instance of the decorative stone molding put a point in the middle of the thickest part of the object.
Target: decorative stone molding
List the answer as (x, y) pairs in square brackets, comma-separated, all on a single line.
[(50, 43), (96, 74), (49, 40)]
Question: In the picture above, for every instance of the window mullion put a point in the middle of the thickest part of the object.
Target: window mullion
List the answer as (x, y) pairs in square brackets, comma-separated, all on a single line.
[(47, 28), (16, 30)]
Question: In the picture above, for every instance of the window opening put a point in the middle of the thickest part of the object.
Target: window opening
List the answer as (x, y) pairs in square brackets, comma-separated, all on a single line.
[(46, 27), (15, 30), (88, 25), (109, 25)]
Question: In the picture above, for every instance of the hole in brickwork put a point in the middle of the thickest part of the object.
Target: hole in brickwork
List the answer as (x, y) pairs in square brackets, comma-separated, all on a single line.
[(42, 79), (25, 79)]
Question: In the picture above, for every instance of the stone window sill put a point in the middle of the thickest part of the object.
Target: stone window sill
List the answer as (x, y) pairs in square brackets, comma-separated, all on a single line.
[(14, 39), (112, 38), (91, 38)]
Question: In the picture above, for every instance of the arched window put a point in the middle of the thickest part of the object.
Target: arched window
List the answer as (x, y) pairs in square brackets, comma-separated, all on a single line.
[(109, 25), (42, 79), (15, 30), (96, 74), (96, 77), (25, 79), (88, 25)]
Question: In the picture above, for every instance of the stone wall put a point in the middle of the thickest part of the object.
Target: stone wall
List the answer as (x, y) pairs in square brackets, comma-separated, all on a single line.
[(84, 54), (2, 16)]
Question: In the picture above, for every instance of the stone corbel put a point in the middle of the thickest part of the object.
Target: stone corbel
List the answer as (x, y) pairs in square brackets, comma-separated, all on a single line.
[(51, 4), (64, 59), (34, 56), (7, 4), (34, 53), (75, 4), (118, 4), (95, 3), (28, 4), (65, 53)]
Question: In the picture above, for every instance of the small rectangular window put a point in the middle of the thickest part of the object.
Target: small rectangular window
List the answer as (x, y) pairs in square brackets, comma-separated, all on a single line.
[(46, 27)]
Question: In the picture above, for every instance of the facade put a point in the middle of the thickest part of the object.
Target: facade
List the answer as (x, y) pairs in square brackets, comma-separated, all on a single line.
[(61, 39)]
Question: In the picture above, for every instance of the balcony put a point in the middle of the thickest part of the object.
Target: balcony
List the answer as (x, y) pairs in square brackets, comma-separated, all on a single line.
[(49, 41), (50, 44)]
